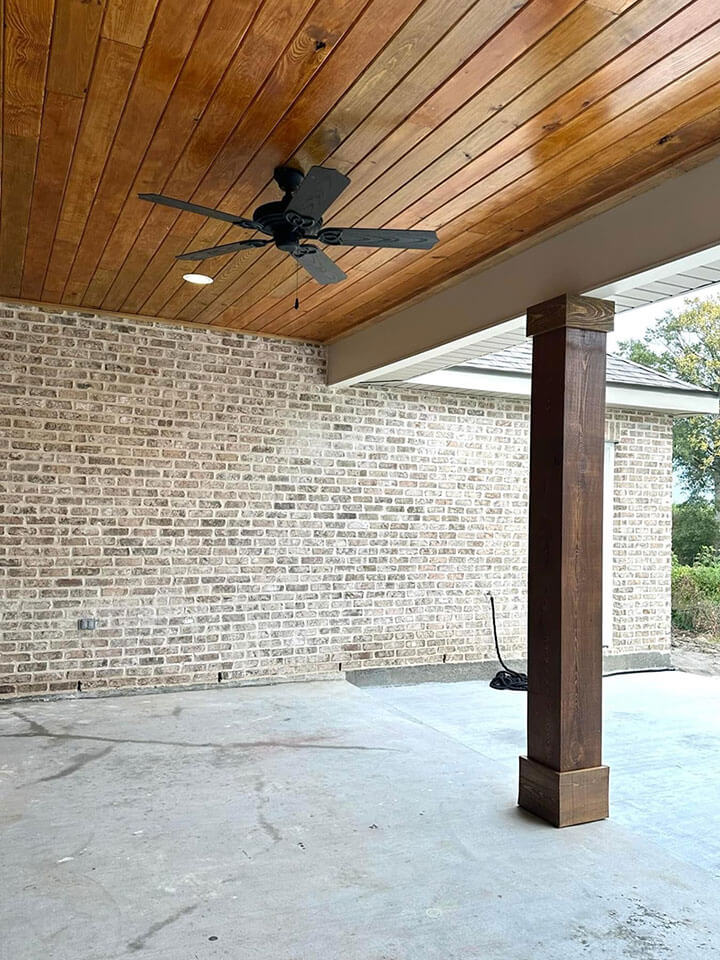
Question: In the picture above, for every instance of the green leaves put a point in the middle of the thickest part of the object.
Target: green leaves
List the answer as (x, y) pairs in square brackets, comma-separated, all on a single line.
[(687, 346), (694, 529)]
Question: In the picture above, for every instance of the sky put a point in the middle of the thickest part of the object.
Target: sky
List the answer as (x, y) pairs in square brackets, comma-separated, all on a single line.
[(634, 323)]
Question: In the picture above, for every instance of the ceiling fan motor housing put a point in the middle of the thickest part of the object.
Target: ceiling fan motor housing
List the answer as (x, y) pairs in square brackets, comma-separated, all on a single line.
[(286, 229)]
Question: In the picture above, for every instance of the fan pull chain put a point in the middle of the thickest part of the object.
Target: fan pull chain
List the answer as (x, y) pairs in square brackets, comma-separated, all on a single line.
[(297, 302)]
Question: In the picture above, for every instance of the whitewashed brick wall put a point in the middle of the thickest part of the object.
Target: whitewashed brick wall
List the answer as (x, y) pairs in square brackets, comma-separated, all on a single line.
[(642, 530), (223, 514)]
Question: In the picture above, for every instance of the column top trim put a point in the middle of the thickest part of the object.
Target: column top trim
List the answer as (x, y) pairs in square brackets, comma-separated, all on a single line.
[(570, 310)]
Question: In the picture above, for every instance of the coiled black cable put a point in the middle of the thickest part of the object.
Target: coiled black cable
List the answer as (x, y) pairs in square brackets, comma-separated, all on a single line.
[(505, 679)]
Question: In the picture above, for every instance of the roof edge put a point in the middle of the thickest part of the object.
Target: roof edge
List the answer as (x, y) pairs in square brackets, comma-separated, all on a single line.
[(672, 401), (676, 386)]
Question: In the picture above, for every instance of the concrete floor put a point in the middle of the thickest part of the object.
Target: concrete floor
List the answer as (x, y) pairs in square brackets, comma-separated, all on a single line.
[(324, 822)]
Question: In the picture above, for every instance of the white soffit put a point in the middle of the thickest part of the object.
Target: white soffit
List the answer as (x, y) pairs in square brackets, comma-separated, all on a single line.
[(683, 276), (662, 283)]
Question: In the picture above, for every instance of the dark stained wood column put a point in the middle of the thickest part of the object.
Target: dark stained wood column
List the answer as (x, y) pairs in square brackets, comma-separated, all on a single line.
[(562, 779)]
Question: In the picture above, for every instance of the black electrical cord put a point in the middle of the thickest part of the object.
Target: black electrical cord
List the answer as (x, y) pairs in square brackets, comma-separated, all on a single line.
[(622, 673), (505, 679)]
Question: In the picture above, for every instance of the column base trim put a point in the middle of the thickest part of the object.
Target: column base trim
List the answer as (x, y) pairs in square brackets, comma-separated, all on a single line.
[(564, 798)]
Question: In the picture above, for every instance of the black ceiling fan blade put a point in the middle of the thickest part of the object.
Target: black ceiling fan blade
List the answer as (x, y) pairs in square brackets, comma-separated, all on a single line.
[(320, 187), (197, 208), (367, 237), (318, 264), (222, 249)]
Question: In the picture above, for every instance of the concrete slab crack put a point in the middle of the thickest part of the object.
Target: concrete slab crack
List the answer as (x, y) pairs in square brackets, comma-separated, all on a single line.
[(37, 730), (139, 942), (78, 763)]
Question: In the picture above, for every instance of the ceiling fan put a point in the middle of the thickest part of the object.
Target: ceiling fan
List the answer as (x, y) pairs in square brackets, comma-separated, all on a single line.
[(298, 217)]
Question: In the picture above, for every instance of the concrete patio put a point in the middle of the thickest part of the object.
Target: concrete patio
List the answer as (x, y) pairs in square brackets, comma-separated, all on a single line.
[(320, 820)]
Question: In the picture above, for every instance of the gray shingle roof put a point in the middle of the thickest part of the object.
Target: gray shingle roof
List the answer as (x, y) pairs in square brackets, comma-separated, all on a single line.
[(518, 360)]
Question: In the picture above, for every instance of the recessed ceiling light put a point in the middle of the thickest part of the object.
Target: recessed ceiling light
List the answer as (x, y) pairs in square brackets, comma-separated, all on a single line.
[(197, 278)]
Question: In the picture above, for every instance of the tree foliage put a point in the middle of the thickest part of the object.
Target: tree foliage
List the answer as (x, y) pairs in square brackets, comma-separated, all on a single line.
[(694, 529), (686, 345)]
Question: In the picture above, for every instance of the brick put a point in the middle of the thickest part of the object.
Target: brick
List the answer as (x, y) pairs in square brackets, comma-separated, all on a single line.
[(218, 509)]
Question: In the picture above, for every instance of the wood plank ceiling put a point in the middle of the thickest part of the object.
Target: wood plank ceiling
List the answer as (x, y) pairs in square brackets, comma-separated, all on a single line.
[(487, 120)]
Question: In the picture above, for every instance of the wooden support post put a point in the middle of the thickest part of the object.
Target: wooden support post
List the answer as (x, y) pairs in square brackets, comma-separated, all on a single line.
[(562, 778)]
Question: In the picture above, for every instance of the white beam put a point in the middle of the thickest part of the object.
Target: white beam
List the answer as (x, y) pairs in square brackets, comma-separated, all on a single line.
[(677, 219)]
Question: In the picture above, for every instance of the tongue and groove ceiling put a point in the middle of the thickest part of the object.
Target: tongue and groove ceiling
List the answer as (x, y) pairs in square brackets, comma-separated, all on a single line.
[(486, 120)]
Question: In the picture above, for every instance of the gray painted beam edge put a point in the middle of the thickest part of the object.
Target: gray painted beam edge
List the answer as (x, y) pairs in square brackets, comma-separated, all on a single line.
[(675, 219)]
